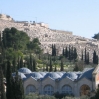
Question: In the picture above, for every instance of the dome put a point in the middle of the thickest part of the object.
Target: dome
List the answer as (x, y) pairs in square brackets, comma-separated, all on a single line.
[(36, 75), (19, 74), (60, 73), (70, 75), (53, 75), (43, 73), (24, 70)]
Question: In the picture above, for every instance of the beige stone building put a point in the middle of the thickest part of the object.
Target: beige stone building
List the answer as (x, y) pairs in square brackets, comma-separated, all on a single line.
[(76, 83)]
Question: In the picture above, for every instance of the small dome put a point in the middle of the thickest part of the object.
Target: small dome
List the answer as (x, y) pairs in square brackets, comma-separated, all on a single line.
[(70, 75), (43, 73), (36, 75), (24, 70), (53, 75), (19, 74)]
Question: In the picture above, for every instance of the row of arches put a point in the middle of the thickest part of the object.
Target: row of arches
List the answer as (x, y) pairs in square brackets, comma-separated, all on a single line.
[(48, 89)]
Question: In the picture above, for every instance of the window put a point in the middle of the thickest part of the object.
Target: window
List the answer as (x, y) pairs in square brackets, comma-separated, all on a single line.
[(30, 89), (67, 89), (48, 90)]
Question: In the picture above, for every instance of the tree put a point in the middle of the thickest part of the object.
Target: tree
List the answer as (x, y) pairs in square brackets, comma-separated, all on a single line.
[(3, 95), (96, 36), (13, 38), (82, 55), (87, 58), (50, 64), (21, 62), (85, 55), (18, 87), (63, 53), (9, 90), (97, 93), (66, 52), (75, 54), (34, 64), (62, 66), (94, 57)]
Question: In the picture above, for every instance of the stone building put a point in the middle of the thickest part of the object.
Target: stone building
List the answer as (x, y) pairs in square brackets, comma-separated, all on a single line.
[(76, 83)]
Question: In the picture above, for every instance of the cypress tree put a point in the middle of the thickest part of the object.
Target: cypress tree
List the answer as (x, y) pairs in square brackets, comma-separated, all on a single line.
[(14, 64), (34, 65), (82, 55), (18, 87), (50, 64), (62, 66), (52, 50), (21, 62), (87, 58), (63, 53), (55, 69), (85, 55), (66, 52), (94, 57), (46, 67), (3, 95), (18, 65), (9, 90), (31, 62), (97, 59), (69, 53), (75, 54)]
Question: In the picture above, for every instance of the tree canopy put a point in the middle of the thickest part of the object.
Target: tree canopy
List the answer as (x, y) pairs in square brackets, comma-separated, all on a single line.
[(96, 36)]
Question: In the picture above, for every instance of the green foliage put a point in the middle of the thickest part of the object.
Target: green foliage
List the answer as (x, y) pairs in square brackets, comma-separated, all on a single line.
[(14, 39), (96, 36)]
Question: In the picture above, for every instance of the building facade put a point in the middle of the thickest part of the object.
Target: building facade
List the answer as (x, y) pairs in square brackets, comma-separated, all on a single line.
[(75, 83)]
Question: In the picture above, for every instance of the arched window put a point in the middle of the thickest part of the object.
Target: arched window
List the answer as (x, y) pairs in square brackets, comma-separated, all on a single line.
[(67, 89), (48, 89), (30, 89), (84, 90)]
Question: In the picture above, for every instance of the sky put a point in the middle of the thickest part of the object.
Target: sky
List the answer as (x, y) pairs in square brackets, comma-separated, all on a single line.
[(78, 16)]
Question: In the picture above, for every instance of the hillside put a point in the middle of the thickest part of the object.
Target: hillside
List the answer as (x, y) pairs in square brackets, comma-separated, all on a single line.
[(48, 36)]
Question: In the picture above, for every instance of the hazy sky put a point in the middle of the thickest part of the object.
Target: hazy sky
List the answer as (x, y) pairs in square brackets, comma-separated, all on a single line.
[(79, 16)]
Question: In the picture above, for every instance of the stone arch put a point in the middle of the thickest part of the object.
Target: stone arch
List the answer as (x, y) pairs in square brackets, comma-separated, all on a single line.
[(30, 89), (66, 89), (48, 89), (84, 90)]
